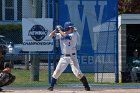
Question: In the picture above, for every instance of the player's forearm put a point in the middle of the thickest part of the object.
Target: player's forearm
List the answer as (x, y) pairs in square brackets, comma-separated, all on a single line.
[(62, 33), (52, 33), (7, 70)]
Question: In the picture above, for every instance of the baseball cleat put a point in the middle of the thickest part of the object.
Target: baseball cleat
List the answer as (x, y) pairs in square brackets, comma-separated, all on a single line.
[(1, 89), (50, 88), (87, 88)]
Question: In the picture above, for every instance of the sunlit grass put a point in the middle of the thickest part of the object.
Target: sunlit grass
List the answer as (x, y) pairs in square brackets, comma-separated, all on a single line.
[(23, 78)]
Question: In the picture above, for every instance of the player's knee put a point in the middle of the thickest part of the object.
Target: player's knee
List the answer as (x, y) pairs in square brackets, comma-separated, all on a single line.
[(12, 79)]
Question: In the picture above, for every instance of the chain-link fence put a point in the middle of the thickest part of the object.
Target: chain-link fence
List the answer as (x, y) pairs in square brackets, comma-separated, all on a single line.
[(96, 22)]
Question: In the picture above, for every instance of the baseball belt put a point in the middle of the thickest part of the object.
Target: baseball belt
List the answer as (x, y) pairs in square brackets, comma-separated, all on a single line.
[(67, 55)]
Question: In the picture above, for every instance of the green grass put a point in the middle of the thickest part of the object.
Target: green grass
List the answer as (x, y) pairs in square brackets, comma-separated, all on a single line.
[(69, 78), (23, 79)]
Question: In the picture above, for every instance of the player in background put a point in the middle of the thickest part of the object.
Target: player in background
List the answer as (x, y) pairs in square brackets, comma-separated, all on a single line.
[(134, 65), (6, 77), (68, 41)]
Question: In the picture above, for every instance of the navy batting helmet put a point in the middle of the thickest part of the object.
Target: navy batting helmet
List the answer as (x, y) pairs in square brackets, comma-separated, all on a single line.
[(68, 25)]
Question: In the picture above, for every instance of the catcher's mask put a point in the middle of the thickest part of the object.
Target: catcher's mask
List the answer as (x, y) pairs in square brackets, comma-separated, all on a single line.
[(68, 25)]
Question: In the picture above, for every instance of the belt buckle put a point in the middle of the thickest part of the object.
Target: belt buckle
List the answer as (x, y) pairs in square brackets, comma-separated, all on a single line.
[(73, 53), (67, 55)]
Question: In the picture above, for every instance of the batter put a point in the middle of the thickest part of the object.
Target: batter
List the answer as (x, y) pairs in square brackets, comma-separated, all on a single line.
[(68, 41)]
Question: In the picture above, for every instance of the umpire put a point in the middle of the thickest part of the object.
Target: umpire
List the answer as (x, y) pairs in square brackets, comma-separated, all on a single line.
[(6, 77)]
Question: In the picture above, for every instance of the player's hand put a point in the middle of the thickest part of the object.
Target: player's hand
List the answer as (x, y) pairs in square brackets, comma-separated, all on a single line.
[(52, 34), (7, 70), (58, 28)]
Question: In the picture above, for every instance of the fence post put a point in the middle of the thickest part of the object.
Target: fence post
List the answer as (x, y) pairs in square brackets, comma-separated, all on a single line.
[(27, 61), (54, 54), (49, 68), (54, 39), (48, 8), (35, 68)]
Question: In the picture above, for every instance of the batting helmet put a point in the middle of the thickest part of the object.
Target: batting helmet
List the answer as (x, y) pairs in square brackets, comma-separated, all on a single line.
[(68, 25)]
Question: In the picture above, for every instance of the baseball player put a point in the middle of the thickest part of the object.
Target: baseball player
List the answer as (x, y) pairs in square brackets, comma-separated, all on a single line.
[(6, 77), (134, 64), (68, 41)]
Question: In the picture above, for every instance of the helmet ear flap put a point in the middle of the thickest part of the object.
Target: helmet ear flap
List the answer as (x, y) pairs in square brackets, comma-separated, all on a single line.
[(66, 29)]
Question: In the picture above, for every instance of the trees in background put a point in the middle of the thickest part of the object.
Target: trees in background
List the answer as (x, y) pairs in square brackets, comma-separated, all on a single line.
[(129, 6)]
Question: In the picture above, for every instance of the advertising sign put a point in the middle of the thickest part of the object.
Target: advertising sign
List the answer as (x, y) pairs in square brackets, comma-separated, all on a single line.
[(36, 34)]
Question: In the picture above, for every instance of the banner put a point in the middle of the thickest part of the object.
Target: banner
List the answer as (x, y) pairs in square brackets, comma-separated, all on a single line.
[(96, 21), (35, 34)]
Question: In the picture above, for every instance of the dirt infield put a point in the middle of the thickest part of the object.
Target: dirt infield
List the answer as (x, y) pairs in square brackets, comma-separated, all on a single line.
[(79, 90)]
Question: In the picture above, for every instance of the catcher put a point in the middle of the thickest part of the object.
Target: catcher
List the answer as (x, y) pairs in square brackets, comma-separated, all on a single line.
[(6, 77)]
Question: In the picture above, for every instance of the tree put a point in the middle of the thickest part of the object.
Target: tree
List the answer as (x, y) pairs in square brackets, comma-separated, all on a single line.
[(129, 6)]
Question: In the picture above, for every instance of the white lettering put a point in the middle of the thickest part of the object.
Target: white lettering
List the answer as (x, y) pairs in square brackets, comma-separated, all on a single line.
[(90, 59), (100, 59), (84, 59), (89, 15)]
